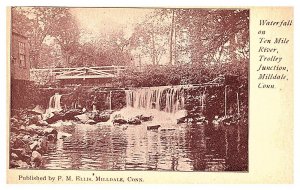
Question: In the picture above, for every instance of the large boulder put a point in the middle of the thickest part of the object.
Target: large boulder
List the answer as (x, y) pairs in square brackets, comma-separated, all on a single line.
[(42, 145), (22, 153), (134, 121), (27, 139), (37, 110), (153, 127), (199, 119), (181, 120), (36, 158), (145, 117), (18, 164), (34, 145), (56, 116), (82, 118), (50, 131), (42, 123), (34, 129), (119, 121), (13, 156), (18, 143), (102, 117), (34, 119), (70, 114)]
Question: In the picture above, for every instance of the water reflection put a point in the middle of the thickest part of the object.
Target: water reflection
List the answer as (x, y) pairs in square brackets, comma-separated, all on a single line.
[(175, 147)]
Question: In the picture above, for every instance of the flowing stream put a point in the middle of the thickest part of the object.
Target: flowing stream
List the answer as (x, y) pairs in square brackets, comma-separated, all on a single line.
[(172, 147)]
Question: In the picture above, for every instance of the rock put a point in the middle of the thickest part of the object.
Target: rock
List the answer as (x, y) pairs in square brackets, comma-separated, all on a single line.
[(19, 164), (27, 139), (35, 137), (167, 129), (119, 121), (55, 117), (145, 117), (36, 157), (153, 127), (13, 120), (83, 118), (13, 164), (103, 117), (37, 110), (51, 137), (14, 130), (90, 121), (70, 114), (34, 145), (22, 127), (18, 143), (228, 120), (47, 115), (42, 145), (34, 119), (215, 122), (34, 129), (14, 156), (134, 121), (42, 123), (62, 135), (49, 130), (181, 120), (22, 154), (50, 134), (18, 151), (199, 119)]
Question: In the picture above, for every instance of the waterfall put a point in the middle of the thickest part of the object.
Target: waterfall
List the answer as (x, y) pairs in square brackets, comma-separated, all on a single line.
[(172, 98), (54, 103)]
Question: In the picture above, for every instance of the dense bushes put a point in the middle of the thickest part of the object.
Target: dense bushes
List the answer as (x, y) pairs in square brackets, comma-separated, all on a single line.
[(158, 75)]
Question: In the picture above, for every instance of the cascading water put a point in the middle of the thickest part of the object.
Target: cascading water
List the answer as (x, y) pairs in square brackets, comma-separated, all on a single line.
[(166, 104), (54, 103), (153, 97)]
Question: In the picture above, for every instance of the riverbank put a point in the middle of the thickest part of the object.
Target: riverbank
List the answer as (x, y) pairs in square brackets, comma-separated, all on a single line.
[(161, 108), (32, 131)]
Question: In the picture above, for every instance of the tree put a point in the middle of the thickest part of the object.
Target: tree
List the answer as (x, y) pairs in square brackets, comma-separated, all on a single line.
[(150, 38), (67, 34), (213, 31), (37, 24)]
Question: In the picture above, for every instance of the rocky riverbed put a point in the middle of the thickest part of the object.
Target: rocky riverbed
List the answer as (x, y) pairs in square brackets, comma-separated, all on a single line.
[(32, 130)]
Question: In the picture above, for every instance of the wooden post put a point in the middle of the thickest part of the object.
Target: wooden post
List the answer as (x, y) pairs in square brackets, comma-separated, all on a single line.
[(225, 103), (238, 102), (110, 107), (202, 101)]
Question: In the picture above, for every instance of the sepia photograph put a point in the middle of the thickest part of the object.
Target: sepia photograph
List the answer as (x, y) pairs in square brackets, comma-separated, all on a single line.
[(129, 89)]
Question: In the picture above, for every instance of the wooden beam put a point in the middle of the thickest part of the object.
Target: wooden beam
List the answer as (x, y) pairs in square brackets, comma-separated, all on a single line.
[(85, 77)]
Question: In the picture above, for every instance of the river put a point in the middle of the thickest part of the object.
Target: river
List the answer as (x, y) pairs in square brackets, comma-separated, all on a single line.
[(180, 147)]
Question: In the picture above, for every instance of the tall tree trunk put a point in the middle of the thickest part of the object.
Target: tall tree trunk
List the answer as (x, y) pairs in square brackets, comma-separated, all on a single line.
[(171, 37), (175, 45), (153, 50)]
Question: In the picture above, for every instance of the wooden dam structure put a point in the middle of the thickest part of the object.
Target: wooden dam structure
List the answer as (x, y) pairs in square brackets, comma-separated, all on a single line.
[(88, 77), (76, 75)]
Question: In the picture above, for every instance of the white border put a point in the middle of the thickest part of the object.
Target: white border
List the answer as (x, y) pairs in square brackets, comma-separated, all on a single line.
[(150, 3)]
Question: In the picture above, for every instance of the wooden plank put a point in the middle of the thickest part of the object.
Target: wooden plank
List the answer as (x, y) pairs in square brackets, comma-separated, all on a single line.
[(84, 77)]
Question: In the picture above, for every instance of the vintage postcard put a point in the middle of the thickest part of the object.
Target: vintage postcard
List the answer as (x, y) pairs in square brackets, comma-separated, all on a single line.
[(150, 95)]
